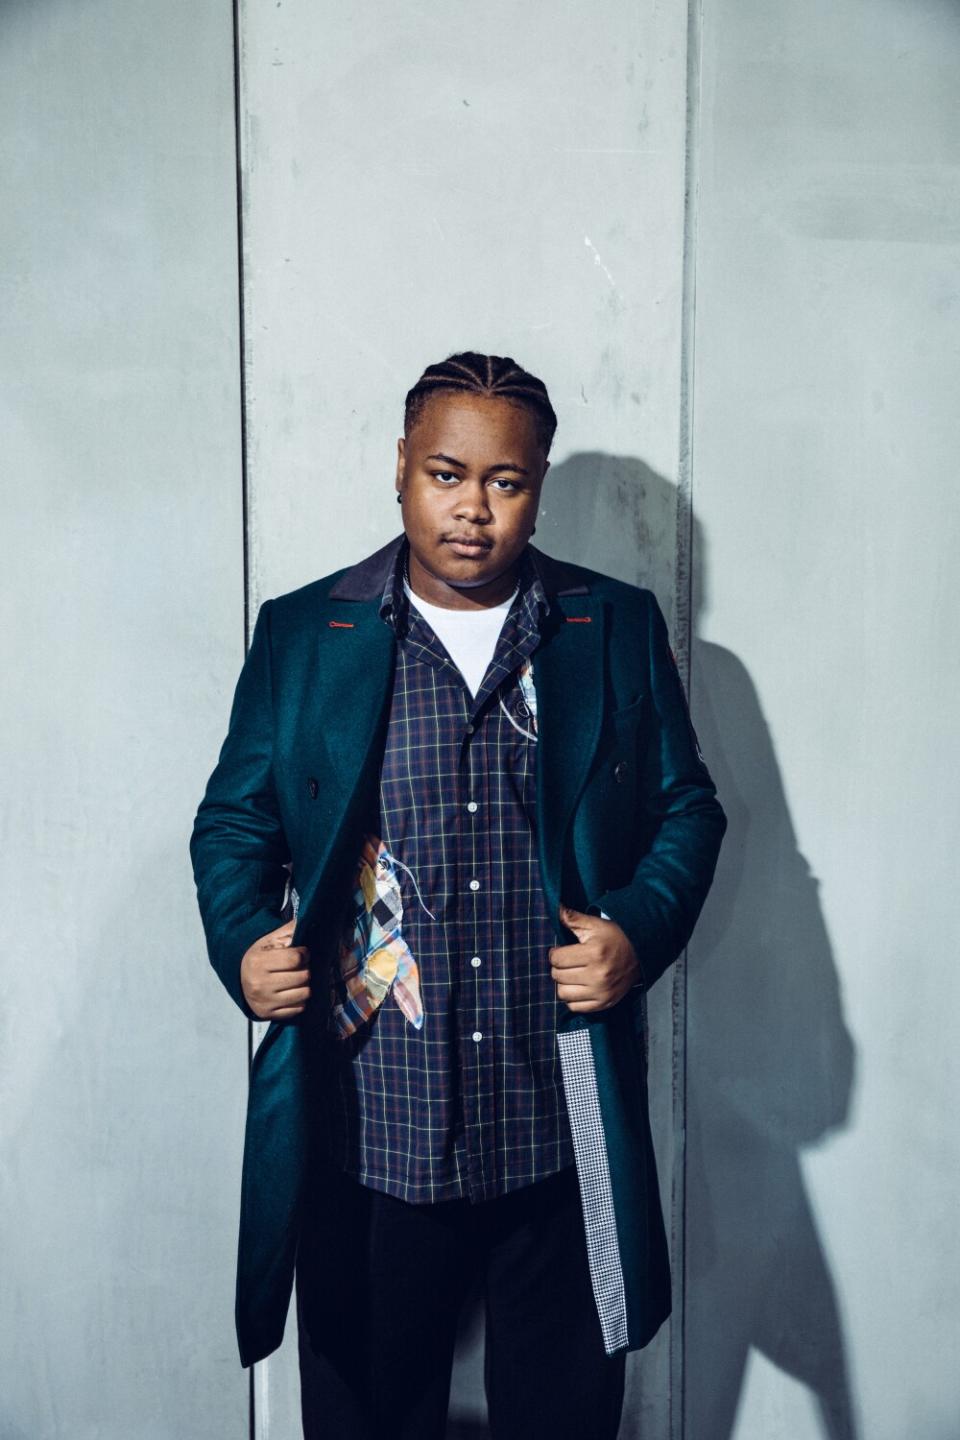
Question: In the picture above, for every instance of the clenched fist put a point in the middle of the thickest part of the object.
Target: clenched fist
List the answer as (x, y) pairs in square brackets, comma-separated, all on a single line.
[(598, 969), (275, 975)]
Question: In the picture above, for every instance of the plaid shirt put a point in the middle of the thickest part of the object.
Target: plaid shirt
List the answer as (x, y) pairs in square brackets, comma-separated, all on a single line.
[(446, 1078)]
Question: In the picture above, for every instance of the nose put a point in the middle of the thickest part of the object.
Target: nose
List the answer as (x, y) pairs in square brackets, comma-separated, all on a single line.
[(472, 503)]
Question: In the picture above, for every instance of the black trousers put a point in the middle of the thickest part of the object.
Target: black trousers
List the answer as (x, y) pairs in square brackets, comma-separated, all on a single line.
[(380, 1284)]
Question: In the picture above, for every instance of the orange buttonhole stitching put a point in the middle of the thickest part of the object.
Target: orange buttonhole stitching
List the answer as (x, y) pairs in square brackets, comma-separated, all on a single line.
[(340, 624)]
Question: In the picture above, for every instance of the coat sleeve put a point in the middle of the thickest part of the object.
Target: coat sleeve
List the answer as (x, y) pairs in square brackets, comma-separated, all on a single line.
[(238, 847), (659, 906)]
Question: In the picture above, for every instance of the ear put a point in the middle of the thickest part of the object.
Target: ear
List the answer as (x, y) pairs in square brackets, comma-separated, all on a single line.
[(401, 462)]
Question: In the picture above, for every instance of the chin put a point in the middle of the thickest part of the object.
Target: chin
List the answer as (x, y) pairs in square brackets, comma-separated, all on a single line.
[(469, 576)]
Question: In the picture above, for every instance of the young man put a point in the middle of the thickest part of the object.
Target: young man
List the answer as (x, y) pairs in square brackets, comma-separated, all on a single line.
[(471, 771)]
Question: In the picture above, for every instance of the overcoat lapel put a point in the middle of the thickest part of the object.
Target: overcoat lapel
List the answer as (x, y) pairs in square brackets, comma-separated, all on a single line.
[(343, 715), (597, 1051), (340, 714), (568, 678)]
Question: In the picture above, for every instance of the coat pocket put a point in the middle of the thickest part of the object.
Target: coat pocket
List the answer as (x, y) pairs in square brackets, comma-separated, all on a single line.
[(624, 755)]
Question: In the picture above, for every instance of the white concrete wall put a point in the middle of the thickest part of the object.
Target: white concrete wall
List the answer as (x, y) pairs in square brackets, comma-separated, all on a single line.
[(509, 179), (122, 1068), (823, 1285)]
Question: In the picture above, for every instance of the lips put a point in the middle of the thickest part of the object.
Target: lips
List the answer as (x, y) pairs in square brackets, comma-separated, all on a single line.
[(468, 544)]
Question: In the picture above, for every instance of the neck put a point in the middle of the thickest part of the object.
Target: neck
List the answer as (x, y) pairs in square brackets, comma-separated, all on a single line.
[(435, 591)]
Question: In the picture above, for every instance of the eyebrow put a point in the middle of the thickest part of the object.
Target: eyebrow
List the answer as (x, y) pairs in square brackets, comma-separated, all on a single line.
[(504, 465)]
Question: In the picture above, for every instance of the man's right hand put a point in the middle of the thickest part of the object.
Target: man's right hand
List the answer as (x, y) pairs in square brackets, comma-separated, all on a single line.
[(275, 975)]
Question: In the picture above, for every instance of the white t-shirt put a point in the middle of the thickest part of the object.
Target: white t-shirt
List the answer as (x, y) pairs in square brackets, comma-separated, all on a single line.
[(470, 636)]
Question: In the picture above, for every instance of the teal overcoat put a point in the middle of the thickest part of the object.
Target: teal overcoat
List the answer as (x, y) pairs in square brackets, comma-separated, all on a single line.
[(627, 822)]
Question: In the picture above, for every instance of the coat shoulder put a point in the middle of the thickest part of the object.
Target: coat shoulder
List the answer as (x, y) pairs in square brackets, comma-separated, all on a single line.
[(301, 606), (363, 580), (562, 576), (621, 592), (636, 599)]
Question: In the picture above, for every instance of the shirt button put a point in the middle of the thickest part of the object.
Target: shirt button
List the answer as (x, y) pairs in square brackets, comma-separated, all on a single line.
[(469, 729), (477, 1035), (474, 884), (476, 961), (472, 806)]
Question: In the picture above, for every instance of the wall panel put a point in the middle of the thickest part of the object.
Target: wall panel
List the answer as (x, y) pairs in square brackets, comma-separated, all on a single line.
[(822, 1279), (453, 177), (122, 1061)]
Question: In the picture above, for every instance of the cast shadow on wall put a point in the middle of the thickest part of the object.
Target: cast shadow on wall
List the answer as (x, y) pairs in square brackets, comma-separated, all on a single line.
[(770, 1059)]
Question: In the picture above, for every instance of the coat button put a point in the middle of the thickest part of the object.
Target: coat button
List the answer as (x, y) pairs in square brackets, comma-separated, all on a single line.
[(620, 771), (314, 788)]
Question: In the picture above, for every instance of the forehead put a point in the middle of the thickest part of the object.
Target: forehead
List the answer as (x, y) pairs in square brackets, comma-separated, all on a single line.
[(478, 423)]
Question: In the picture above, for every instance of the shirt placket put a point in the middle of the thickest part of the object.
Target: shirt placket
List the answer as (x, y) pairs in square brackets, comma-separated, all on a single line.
[(476, 1011), (469, 936), (475, 1016)]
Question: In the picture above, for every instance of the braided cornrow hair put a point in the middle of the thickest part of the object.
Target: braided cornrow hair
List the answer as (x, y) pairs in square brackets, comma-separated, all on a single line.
[(491, 375)]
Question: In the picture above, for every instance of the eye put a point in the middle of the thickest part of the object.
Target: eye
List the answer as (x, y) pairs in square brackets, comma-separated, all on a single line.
[(510, 484), (444, 475)]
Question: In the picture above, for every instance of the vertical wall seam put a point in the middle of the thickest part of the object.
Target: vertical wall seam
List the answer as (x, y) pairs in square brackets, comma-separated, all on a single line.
[(238, 160), (684, 643), (244, 504)]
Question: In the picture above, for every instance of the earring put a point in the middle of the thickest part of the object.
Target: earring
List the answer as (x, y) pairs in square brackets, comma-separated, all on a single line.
[(399, 498)]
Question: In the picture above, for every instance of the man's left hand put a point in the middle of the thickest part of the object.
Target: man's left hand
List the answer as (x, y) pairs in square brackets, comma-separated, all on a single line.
[(599, 969)]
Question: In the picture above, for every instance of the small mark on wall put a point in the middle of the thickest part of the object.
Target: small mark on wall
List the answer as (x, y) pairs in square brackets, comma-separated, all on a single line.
[(596, 259)]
